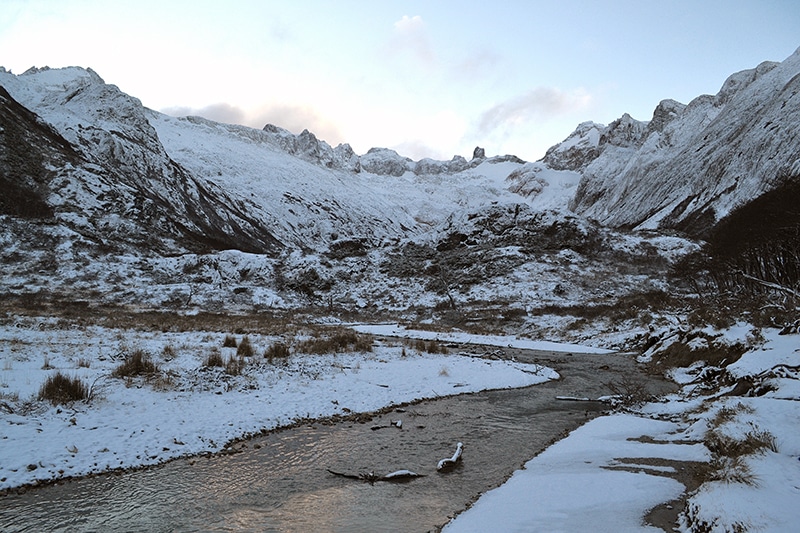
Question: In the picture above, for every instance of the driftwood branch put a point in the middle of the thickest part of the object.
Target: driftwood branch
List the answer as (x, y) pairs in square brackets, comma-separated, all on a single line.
[(372, 477), (451, 462)]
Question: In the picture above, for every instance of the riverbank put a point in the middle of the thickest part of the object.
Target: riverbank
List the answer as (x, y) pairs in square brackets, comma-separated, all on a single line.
[(191, 407), (609, 474), (622, 472)]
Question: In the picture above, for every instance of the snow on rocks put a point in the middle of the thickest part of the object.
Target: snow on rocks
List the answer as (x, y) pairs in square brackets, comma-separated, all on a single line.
[(608, 474)]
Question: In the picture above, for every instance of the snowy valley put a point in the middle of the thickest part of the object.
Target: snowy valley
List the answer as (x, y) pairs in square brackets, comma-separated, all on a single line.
[(126, 231)]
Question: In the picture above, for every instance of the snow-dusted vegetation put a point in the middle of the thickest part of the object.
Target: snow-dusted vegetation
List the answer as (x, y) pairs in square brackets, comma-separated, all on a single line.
[(171, 286)]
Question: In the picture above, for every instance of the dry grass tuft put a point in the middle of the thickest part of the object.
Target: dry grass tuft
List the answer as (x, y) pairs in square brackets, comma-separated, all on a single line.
[(245, 348), (343, 340), (168, 352), (755, 441), (278, 350), (214, 359), (235, 365), (229, 342), (138, 363), (60, 389)]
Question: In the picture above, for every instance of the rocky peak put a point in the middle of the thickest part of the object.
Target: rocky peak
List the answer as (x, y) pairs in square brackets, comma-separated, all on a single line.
[(385, 162), (624, 132), (666, 111), (578, 150)]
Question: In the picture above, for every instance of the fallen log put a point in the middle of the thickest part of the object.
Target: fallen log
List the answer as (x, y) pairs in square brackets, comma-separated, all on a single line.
[(372, 477), (448, 464), (573, 398)]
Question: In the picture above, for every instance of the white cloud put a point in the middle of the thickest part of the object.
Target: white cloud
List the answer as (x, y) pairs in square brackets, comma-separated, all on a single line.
[(292, 117), (220, 112), (411, 37), (541, 103)]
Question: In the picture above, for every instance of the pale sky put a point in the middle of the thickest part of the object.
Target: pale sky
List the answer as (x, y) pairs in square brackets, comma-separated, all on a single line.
[(430, 78)]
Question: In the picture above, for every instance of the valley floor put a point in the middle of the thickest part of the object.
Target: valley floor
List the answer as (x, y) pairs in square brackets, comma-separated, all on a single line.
[(605, 476)]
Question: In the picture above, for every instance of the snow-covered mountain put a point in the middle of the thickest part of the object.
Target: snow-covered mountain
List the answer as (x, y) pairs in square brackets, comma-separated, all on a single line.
[(109, 201), (690, 165)]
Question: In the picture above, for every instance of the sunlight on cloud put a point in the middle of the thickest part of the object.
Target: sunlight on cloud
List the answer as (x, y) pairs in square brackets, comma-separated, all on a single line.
[(292, 117), (541, 103), (221, 112)]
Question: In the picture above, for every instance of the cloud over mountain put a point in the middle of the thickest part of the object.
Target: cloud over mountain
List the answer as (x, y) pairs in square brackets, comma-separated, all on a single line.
[(540, 103)]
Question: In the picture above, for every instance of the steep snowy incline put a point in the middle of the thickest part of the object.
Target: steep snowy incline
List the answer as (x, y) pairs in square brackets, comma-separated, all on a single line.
[(225, 186), (125, 172), (691, 164)]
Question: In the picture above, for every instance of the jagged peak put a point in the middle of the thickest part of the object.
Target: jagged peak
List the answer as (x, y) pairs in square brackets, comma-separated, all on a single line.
[(64, 75), (665, 112), (737, 82)]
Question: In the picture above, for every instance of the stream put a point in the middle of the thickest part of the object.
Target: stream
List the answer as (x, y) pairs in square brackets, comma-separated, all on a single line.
[(280, 482)]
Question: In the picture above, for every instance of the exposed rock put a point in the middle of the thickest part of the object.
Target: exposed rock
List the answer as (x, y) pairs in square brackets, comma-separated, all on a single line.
[(385, 162), (691, 165)]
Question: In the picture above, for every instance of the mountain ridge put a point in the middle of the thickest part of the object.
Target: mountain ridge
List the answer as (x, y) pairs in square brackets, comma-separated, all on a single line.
[(185, 212)]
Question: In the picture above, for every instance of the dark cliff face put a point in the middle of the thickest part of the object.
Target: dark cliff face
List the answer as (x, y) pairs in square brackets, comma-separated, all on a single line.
[(26, 146)]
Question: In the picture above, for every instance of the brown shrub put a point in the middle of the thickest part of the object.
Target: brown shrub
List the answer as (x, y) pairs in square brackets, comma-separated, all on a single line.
[(60, 389), (138, 363)]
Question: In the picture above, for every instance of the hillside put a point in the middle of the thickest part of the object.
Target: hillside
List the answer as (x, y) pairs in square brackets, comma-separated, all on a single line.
[(112, 203)]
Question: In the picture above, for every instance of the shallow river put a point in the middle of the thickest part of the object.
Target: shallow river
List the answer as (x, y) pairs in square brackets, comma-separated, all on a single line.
[(280, 482)]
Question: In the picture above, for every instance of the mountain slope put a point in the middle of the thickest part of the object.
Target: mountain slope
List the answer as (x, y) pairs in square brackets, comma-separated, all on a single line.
[(120, 186), (691, 164)]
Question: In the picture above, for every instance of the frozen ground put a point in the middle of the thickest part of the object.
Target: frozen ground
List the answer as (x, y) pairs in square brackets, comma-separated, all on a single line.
[(605, 476), (190, 408)]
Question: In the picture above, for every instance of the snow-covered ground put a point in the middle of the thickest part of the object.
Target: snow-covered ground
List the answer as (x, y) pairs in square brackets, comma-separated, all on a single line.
[(190, 408), (606, 475)]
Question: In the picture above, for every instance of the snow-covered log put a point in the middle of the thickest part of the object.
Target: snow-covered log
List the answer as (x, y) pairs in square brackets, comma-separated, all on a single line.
[(372, 477), (451, 462)]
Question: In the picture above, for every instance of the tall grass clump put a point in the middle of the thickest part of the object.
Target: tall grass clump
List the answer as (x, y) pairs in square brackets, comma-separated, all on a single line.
[(229, 342), (278, 350), (245, 348), (138, 363), (61, 389), (214, 359), (729, 454), (344, 340)]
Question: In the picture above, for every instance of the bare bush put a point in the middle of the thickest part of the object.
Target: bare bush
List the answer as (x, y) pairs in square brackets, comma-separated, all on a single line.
[(629, 392)]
